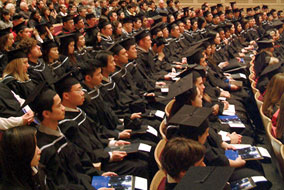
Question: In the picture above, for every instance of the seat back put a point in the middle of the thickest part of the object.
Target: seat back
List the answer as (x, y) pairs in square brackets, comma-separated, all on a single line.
[(162, 129), (158, 181), (258, 102), (169, 107), (254, 89), (281, 164), (251, 69), (159, 149), (265, 120), (251, 77)]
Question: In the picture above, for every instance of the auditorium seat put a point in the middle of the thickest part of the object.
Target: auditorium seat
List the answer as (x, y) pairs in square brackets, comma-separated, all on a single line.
[(162, 129), (265, 119), (159, 148), (258, 102), (254, 89), (169, 107), (159, 181)]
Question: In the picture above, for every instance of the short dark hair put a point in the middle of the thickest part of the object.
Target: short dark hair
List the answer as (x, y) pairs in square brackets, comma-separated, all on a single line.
[(179, 154), (43, 102), (65, 85), (102, 58), (90, 68)]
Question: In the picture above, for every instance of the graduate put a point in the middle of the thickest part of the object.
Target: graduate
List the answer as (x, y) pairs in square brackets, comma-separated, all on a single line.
[(91, 137)]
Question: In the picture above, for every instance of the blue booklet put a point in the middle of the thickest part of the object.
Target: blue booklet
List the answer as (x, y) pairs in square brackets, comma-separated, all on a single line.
[(249, 153), (118, 182)]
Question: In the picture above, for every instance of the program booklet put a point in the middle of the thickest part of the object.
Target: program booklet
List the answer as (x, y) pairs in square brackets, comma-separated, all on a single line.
[(124, 182), (243, 184), (248, 153), (129, 148)]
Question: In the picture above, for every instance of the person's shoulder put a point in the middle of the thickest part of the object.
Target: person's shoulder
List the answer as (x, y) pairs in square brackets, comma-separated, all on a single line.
[(6, 185)]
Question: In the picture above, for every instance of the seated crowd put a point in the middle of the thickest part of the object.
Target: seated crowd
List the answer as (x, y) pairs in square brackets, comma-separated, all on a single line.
[(79, 79)]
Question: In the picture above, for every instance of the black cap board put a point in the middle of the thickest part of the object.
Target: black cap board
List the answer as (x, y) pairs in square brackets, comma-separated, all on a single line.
[(270, 68), (66, 38), (141, 34), (192, 121), (180, 86), (163, 13), (159, 41), (16, 54), (204, 178), (265, 43), (116, 47), (47, 45), (67, 18), (5, 32), (77, 19), (90, 15), (20, 27), (103, 23)]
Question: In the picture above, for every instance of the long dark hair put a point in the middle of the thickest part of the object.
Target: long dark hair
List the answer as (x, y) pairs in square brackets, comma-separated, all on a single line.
[(17, 148)]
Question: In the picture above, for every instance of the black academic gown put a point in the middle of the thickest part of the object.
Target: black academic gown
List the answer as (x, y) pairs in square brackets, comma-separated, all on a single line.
[(66, 165), (92, 138), (23, 89)]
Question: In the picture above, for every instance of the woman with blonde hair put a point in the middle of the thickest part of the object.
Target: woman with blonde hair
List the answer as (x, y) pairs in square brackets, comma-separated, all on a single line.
[(272, 96), (15, 74)]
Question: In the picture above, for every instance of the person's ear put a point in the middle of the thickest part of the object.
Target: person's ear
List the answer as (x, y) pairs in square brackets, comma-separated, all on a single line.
[(115, 58), (65, 96), (46, 114), (88, 78)]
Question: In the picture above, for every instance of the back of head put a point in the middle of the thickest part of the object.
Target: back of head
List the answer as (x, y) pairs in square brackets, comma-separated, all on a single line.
[(17, 148), (179, 154)]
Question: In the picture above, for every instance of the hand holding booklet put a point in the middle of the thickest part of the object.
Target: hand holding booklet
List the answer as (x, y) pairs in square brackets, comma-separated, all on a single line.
[(125, 182), (248, 153)]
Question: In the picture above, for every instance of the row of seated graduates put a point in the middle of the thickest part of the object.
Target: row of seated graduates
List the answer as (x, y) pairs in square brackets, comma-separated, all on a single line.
[(115, 49)]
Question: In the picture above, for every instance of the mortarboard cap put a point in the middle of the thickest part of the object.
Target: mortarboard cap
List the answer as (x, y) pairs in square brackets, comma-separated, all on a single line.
[(256, 8), (66, 38), (16, 54), (77, 19), (163, 13), (127, 19), (155, 29), (192, 121), (228, 11), (90, 15), (180, 86), (236, 10), (185, 9), (220, 13), (270, 68), (232, 3), (5, 32), (159, 41), (116, 47), (206, 13), (157, 19), (127, 43), (67, 18), (265, 43), (41, 28), (264, 7), (103, 23), (249, 9), (277, 24), (17, 16), (213, 8), (202, 178), (141, 34), (47, 45), (163, 25), (219, 5), (20, 27)]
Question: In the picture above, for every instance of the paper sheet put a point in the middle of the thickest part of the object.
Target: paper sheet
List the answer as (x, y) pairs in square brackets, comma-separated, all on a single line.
[(160, 114), (258, 179), (152, 130), (144, 147), (164, 90), (224, 135), (140, 183), (230, 111), (264, 152)]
